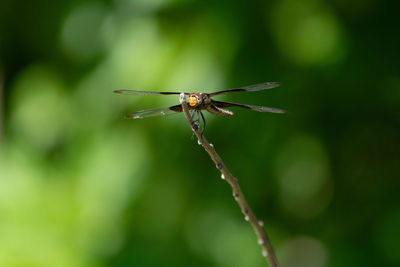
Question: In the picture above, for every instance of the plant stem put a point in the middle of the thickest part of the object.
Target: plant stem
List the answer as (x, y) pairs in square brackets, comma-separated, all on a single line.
[(249, 215)]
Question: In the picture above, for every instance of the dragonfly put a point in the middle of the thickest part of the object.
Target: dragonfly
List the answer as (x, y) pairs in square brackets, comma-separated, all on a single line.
[(197, 102)]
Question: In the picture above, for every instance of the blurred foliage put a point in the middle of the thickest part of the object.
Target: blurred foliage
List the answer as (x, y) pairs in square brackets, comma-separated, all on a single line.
[(81, 186)]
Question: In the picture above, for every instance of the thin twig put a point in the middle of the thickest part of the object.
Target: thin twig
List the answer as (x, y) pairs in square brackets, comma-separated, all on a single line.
[(249, 216)]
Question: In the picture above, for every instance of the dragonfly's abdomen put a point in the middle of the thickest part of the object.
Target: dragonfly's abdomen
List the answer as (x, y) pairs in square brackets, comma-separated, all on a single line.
[(219, 111)]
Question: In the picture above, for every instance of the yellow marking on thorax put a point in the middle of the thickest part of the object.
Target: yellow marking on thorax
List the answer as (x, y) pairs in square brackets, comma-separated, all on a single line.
[(192, 101)]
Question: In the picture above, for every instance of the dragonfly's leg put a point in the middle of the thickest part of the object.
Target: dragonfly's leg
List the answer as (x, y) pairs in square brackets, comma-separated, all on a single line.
[(204, 122), (195, 125), (196, 119), (193, 113)]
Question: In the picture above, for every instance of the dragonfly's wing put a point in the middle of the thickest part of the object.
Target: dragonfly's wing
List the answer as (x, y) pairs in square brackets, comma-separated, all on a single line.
[(216, 110), (250, 88), (221, 104), (154, 112), (134, 92)]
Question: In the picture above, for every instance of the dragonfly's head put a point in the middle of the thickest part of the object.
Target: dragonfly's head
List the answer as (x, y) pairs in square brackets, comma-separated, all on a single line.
[(194, 100)]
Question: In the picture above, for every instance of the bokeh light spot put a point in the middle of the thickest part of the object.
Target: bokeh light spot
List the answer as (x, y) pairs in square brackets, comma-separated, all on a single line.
[(138, 56), (141, 5), (213, 233), (307, 32), (40, 111), (303, 251), (81, 35), (303, 172)]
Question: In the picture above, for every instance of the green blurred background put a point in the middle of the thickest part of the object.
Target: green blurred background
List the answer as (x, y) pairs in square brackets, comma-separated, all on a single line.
[(82, 186)]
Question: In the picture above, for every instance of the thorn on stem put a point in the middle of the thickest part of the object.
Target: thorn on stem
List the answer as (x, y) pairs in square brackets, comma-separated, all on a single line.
[(261, 223), (246, 218), (199, 142), (264, 253), (222, 176)]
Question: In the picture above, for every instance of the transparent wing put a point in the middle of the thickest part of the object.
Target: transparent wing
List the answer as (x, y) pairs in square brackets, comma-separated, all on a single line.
[(251, 107), (250, 88), (134, 92), (154, 112)]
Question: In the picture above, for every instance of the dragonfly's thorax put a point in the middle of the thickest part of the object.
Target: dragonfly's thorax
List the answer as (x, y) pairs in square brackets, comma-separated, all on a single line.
[(199, 100)]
